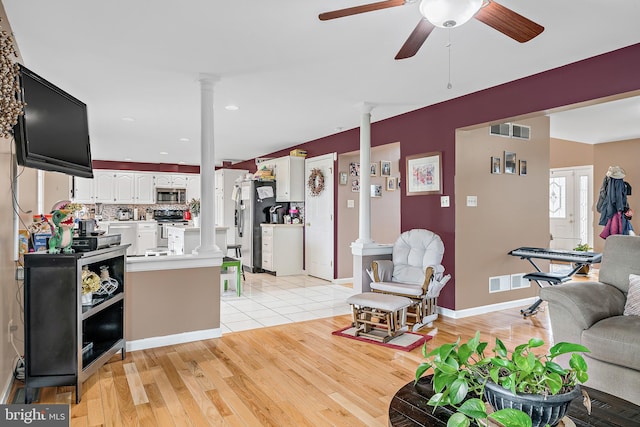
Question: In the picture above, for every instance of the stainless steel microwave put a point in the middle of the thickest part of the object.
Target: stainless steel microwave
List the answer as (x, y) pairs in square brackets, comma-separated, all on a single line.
[(173, 196)]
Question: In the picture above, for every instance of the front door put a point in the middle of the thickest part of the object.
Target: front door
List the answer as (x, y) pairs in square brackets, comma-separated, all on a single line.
[(570, 207), (318, 221)]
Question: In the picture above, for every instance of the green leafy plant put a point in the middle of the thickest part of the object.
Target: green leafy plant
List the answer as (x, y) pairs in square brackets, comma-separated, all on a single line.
[(194, 207), (583, 247), (462, 369)]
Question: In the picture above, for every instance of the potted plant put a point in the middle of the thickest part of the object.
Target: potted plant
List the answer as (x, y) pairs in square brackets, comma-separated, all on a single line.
[(583, 247), (528, 379), (194, 208)]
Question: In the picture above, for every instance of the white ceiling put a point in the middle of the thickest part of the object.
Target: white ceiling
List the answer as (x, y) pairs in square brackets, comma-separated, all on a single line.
[(293, 77)]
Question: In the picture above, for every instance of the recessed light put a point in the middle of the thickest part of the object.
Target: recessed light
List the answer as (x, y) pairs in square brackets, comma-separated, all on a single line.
[(127, 159), (339, 129), (181, 163), (128, 119), (232, 107), (164, 153), (184, 140)]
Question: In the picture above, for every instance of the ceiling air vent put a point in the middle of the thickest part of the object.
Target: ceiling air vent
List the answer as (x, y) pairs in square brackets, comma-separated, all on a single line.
[(520, 131), (502, 129)]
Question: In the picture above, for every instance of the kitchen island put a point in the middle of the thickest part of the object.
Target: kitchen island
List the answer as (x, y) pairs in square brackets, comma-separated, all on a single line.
[(184, 239), (172, 299)]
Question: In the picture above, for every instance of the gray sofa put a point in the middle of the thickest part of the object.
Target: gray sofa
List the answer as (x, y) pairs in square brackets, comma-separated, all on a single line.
[(590, 313)]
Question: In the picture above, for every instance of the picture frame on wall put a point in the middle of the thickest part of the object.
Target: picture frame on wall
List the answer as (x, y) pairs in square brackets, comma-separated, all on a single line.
[(510, 164), (496, 164), (385, 168), (354, 169), (424, 174), (343, 178), (392, 183), (523, 167), (355, 185), (373, 169), (376, 190)]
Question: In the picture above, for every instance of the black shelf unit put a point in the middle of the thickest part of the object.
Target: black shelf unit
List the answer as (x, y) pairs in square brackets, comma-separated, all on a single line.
[(57, 326)]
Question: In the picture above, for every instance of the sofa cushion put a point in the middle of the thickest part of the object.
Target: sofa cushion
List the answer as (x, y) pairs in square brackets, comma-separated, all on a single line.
[(632, 306), (615, 340)]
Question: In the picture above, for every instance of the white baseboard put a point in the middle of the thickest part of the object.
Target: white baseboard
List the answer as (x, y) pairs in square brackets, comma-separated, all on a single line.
[(162, 341), (459, 314), (7, 389), (342, 281)]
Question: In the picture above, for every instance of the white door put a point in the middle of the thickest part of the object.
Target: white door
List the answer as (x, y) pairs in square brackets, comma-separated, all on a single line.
[(570, 207), (318, 221)]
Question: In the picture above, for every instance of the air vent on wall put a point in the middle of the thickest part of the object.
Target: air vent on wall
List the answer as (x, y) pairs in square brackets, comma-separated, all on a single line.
[(499, 283), (520, 131), (518, 281), (502, 129)]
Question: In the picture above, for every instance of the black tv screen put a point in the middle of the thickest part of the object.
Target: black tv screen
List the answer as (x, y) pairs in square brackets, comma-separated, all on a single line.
[(53, 133)]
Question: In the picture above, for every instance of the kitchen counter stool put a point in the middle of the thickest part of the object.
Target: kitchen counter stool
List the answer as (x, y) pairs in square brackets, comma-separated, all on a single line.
[(227, 263)]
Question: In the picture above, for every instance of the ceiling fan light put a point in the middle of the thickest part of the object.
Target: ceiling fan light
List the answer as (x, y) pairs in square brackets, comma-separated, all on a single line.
[(449, 13)]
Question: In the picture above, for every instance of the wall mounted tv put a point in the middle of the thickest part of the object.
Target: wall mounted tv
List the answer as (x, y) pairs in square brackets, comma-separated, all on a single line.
[(53, 133)]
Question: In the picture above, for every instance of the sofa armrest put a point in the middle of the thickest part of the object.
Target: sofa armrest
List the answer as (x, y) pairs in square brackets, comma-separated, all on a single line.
[(576, 306)]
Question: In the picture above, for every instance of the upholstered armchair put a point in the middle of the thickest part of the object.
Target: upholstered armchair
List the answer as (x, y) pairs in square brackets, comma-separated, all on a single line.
[(414, 272), (592, 314)]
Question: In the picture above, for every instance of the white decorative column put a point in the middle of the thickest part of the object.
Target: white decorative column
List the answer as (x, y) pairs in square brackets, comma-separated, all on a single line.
[(364, 249), (207, 168), (364, 217)]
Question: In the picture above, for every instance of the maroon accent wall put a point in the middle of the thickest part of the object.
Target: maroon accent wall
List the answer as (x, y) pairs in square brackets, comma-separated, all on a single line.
[(145, 167), (433, 129)]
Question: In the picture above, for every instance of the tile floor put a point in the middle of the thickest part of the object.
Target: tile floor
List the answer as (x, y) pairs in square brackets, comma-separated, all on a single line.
[(267, 300)]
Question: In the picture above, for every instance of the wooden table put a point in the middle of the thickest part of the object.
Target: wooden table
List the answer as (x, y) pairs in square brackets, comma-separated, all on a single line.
[(409, 408)]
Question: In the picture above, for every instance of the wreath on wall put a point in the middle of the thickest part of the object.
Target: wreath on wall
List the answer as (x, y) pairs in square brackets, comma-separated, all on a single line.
[(315, 183)]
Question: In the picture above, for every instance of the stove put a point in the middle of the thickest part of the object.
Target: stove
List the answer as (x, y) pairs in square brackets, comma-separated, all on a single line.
[(165, 218)]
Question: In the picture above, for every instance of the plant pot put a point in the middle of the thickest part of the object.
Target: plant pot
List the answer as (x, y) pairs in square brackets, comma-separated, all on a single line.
[(542, 410)]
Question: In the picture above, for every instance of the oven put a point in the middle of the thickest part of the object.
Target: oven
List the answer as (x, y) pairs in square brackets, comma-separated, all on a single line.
[(166, 218)]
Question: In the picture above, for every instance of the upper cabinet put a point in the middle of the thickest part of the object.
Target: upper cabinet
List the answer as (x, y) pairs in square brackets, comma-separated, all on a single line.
[(171, 181), (289, 173), (117, 187)]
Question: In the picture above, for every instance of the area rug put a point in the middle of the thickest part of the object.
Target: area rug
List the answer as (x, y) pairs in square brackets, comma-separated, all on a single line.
[(405, 342)]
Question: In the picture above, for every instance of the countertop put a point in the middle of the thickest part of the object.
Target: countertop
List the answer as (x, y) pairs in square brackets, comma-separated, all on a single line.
[(282, 225)]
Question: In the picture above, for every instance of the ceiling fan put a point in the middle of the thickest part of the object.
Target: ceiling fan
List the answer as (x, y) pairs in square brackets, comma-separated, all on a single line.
[(450, 14)]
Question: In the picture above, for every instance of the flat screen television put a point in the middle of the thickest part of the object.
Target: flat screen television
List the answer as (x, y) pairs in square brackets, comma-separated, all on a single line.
[(53, 133)]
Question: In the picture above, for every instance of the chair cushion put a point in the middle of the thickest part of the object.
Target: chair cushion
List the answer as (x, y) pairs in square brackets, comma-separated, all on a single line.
[(615, 340), (413, 252), (397, 288), (632, 306), (379, 301)]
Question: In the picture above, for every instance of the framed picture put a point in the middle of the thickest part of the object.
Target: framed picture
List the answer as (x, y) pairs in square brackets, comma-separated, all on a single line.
[(523, 167), (510, 162), (373, 169), (496, 165), (392, 183), (424, 174), (343, 178), (354, 169), (376, 190), (385, 168), (355, 185)]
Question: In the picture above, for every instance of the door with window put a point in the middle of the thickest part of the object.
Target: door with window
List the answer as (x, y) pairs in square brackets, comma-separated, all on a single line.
[(571, 207)]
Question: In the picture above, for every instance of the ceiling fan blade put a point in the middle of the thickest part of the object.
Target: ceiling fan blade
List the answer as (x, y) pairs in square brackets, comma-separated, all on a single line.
[(416, 39), (360, 9), (508, 22)]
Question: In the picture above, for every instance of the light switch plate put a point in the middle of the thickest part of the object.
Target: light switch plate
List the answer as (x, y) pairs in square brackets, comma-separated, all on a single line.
[(350, 204), (444, 201), (472, 201)]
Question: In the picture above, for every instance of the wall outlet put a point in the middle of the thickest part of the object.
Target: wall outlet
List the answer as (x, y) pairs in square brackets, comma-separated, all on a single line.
[(351, 203), (444, 201), (20, 273), (472, 201)]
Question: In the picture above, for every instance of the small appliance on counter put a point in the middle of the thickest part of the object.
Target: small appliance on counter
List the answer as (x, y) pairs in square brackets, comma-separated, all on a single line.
[(92, 243), (123, 214), (86, 227)]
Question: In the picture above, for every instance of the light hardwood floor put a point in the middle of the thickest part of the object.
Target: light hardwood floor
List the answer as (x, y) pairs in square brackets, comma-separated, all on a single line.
[(289, 375)]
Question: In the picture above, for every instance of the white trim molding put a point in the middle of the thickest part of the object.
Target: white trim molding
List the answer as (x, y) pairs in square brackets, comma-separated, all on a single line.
[(182, 338), (459, 314)]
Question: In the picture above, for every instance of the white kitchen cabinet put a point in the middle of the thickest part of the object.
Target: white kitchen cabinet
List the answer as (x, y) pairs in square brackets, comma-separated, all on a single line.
[(282, 248), (289, 173), (104, 186), (125, 188), (171, 180), (144, 189), (183, 240), (83, 190), (193, 187), (147, 236)]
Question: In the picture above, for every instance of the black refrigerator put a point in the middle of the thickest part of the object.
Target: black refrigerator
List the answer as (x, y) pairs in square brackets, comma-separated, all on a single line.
[(255, 198)]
